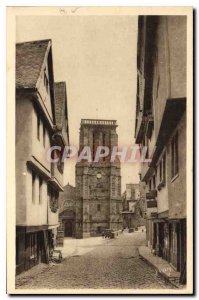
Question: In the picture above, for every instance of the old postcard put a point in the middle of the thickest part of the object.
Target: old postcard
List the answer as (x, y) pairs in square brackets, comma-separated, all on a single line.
[(100, 143)]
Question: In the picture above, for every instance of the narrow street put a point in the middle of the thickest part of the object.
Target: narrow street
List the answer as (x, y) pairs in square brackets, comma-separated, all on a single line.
[(98, 263)]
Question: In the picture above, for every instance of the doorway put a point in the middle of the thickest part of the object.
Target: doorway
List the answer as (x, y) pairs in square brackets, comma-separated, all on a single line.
[(68, 229), (161, 239), (174, 244)]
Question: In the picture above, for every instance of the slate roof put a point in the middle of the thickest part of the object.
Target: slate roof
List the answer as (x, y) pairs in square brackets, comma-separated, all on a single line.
[(60, 102), (29, 61)]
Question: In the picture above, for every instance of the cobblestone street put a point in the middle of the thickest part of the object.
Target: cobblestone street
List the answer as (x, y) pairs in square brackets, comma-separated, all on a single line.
[(99, 263)]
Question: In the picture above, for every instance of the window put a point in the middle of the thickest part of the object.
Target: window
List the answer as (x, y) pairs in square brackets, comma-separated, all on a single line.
[(174, 156), (98, 207), (44, 136), (147, 145), (162, 172), (157, 89), (93, 148), (104, 141), (38, 127), (113, 186), (40, 189), (45, 81), (119, 186), (164, 168), (160, 168), (60, 166), (138, 91), (154, 182), (60, 162), (32, 245), (33, 186), (53, 199), (118, 207), (149, 185)]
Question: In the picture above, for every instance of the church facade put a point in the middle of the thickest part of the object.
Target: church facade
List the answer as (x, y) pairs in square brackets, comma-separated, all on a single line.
[(99, 202), (67, 214)]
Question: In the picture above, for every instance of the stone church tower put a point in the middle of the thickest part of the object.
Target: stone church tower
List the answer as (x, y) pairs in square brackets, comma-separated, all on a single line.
[(99, 203)]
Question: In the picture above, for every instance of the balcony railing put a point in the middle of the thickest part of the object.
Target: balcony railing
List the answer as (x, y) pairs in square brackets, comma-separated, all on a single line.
[(98, 122)]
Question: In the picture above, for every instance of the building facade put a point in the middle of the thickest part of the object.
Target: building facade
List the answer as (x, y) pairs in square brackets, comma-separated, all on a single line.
[(67, 214), (99, 203), (41, 122), (133, 211), (161, 127)]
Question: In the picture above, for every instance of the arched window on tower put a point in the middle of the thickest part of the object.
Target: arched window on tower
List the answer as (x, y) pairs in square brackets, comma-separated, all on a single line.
[(104, 143), (93, 150)]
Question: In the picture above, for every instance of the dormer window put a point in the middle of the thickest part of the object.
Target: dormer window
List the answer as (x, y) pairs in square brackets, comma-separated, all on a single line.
[(45, 80), (44, 136), (38, 127), (174, 156)]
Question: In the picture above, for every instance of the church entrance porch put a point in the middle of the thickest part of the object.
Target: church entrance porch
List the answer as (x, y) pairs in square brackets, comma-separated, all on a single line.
[(68, 228)]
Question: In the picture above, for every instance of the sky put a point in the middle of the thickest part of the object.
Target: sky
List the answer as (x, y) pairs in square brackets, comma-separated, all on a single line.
[(96, 57)]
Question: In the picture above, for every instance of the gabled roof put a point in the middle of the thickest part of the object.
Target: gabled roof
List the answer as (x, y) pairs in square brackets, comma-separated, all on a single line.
[(69, 187), (29, 60), (60, 104)]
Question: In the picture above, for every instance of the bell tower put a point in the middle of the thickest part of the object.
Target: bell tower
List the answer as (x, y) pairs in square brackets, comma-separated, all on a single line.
[(99, 203)]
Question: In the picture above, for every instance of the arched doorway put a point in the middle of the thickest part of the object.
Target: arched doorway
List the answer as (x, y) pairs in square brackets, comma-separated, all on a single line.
[(68, 229)]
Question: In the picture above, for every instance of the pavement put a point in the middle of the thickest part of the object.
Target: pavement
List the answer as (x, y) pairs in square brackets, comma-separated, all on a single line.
[(161, 265), (97, 263), (78, 247)]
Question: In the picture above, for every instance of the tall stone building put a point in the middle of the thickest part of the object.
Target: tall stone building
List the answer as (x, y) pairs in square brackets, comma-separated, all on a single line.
[(99, 202)]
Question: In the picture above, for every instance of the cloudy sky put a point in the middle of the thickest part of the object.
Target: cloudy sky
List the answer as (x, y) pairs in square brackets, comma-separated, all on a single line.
[(96, 56)]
